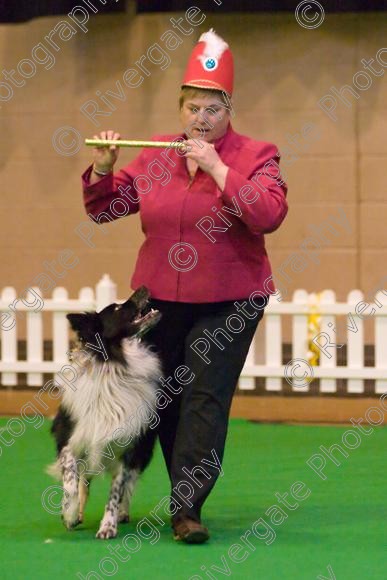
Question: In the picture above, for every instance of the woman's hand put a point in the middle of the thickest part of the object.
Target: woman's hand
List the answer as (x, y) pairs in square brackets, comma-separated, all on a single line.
[(208, 160), (105, 157), (203, 153)]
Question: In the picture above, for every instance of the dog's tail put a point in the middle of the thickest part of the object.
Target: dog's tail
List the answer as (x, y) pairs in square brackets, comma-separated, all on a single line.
[(55, 470)]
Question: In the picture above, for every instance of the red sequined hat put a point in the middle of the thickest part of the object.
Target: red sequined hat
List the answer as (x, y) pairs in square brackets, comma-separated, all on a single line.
[(211, 64)]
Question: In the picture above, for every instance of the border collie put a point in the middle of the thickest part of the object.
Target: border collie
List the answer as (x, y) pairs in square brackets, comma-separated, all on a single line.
[(103, 421)]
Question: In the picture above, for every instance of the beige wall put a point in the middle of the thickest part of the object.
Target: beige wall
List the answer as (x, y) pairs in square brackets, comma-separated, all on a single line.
[(282, 70)]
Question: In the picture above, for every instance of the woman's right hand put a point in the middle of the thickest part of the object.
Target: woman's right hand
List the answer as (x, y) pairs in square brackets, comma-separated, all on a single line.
[(105, 157)]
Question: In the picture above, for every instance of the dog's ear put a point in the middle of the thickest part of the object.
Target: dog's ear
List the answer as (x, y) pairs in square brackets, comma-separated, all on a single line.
[(78, 322)]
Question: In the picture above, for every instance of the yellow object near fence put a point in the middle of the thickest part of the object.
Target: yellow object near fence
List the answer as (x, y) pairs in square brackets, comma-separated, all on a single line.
[(314, 327)]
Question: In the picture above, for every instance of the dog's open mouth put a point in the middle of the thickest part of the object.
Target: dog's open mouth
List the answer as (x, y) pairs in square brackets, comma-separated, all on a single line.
[(142, 317), (145, 320)]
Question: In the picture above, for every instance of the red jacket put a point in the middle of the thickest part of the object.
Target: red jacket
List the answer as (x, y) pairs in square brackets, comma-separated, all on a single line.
[(183, 258)]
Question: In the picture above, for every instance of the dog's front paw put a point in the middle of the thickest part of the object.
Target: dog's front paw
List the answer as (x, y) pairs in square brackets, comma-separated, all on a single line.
[(70, 512), (71, 524), (107, 531)]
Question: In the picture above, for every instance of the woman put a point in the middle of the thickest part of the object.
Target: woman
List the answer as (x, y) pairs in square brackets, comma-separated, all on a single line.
[(204, 213)]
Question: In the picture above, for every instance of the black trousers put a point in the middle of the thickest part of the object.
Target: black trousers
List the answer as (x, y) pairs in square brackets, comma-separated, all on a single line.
[(212, 340)]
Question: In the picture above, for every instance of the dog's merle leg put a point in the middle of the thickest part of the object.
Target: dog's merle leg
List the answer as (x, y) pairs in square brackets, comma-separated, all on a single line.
[(136, 460), (70, 503), (108, 525), (123, 512), (83, 496)]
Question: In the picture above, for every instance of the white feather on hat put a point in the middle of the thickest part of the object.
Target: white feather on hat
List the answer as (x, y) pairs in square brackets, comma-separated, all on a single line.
[(214, 46)]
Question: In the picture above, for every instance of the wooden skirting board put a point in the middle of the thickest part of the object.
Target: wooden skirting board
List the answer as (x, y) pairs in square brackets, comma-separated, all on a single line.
[(306, 410), (319, 409)]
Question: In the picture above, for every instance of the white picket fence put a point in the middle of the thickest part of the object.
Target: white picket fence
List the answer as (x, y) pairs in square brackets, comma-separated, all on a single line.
[(271, 367)]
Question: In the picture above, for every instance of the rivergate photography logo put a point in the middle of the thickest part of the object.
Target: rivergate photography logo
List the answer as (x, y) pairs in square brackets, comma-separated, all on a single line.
[(157, 54)]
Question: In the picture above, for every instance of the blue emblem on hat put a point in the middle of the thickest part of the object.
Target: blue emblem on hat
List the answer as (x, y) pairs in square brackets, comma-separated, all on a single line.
[(210, 63)]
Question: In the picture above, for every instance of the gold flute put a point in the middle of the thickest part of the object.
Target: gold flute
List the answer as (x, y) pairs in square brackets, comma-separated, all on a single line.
[(133, 143)]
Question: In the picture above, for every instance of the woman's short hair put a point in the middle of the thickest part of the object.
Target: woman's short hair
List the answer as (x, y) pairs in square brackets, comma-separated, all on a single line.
[(188, 92)]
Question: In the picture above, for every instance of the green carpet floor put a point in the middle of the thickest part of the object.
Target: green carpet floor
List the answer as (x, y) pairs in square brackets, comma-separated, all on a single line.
[(339, 531)]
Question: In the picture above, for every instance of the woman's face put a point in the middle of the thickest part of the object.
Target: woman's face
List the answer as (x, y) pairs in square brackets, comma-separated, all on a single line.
[(204, 118)]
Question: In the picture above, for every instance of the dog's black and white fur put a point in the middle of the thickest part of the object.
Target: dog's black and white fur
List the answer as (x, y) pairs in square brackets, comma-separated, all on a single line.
[(94, 427)]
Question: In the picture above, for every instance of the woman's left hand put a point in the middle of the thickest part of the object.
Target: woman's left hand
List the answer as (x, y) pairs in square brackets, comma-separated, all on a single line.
[(204, 154)]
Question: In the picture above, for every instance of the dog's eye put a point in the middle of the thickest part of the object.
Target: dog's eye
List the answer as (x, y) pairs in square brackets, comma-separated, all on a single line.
[(118, 307)]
